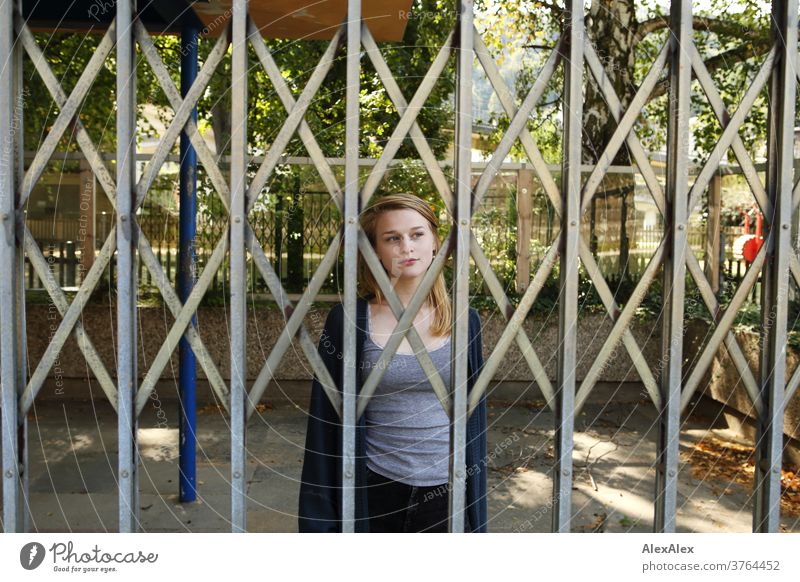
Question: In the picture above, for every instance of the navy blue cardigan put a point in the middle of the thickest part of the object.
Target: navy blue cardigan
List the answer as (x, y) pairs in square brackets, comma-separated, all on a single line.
[(320, 489)]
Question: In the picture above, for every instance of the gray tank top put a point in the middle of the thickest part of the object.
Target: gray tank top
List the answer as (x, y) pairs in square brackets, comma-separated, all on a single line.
[(407, 430)]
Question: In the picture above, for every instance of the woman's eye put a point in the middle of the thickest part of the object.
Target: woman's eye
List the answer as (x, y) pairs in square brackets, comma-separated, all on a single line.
[(414, 235)]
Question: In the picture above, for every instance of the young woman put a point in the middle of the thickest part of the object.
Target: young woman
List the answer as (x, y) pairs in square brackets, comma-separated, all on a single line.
[(403, 438)]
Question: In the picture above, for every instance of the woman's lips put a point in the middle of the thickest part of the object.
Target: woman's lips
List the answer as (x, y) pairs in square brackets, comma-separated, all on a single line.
[(409, 262)]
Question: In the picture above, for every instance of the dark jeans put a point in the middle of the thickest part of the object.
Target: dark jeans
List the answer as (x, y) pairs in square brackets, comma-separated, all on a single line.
[(398, 507)]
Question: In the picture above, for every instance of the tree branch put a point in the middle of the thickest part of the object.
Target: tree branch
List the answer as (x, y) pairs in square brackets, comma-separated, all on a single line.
[(726, 27), (740, 53)]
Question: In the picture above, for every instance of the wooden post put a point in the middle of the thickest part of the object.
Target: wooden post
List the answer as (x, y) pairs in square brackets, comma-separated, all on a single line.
[(712, 266), (524, 228)]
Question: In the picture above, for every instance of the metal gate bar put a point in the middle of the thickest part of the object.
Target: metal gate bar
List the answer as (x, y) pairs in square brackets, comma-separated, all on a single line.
[(12, 509), (674, 268), (568, 269), (775, 278), (350, 216), (127, 376)]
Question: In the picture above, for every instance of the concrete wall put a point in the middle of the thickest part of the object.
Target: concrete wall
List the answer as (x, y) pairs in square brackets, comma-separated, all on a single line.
[(725, 386), (265, 324)]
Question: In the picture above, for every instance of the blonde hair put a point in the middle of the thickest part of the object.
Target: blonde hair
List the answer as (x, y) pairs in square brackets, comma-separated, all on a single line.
[(438, 298)]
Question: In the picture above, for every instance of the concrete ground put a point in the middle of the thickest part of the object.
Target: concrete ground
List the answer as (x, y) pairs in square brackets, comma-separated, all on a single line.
[(73, 445)]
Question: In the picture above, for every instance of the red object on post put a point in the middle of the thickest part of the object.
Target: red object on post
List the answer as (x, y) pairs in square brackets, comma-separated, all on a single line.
[(752, 246)]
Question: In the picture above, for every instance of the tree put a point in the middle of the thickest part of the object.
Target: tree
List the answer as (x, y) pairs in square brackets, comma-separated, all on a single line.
[(731, 37), (68, 53)]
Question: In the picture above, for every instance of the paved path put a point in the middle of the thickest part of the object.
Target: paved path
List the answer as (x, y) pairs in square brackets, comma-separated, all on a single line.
[(73, 467)]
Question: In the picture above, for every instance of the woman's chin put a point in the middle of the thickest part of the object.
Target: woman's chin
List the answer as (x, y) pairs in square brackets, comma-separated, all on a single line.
[(410, 272)]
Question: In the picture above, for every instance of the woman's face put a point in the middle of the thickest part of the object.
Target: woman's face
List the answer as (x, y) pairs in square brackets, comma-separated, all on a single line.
[(404, 243)]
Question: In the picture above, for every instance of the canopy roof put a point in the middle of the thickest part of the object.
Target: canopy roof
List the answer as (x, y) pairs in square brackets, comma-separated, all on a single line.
[(159, 16), (297, 19), (309, 19)]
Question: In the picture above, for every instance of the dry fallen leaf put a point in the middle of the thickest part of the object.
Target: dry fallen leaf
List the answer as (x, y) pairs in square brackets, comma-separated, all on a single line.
[(712, 458)]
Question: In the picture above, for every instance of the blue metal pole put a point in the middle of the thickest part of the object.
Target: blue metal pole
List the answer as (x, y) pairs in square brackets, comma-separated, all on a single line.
[(186, 273)]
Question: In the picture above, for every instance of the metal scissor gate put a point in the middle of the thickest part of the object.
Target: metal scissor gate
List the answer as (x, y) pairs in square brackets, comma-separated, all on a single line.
[(776, 261)]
